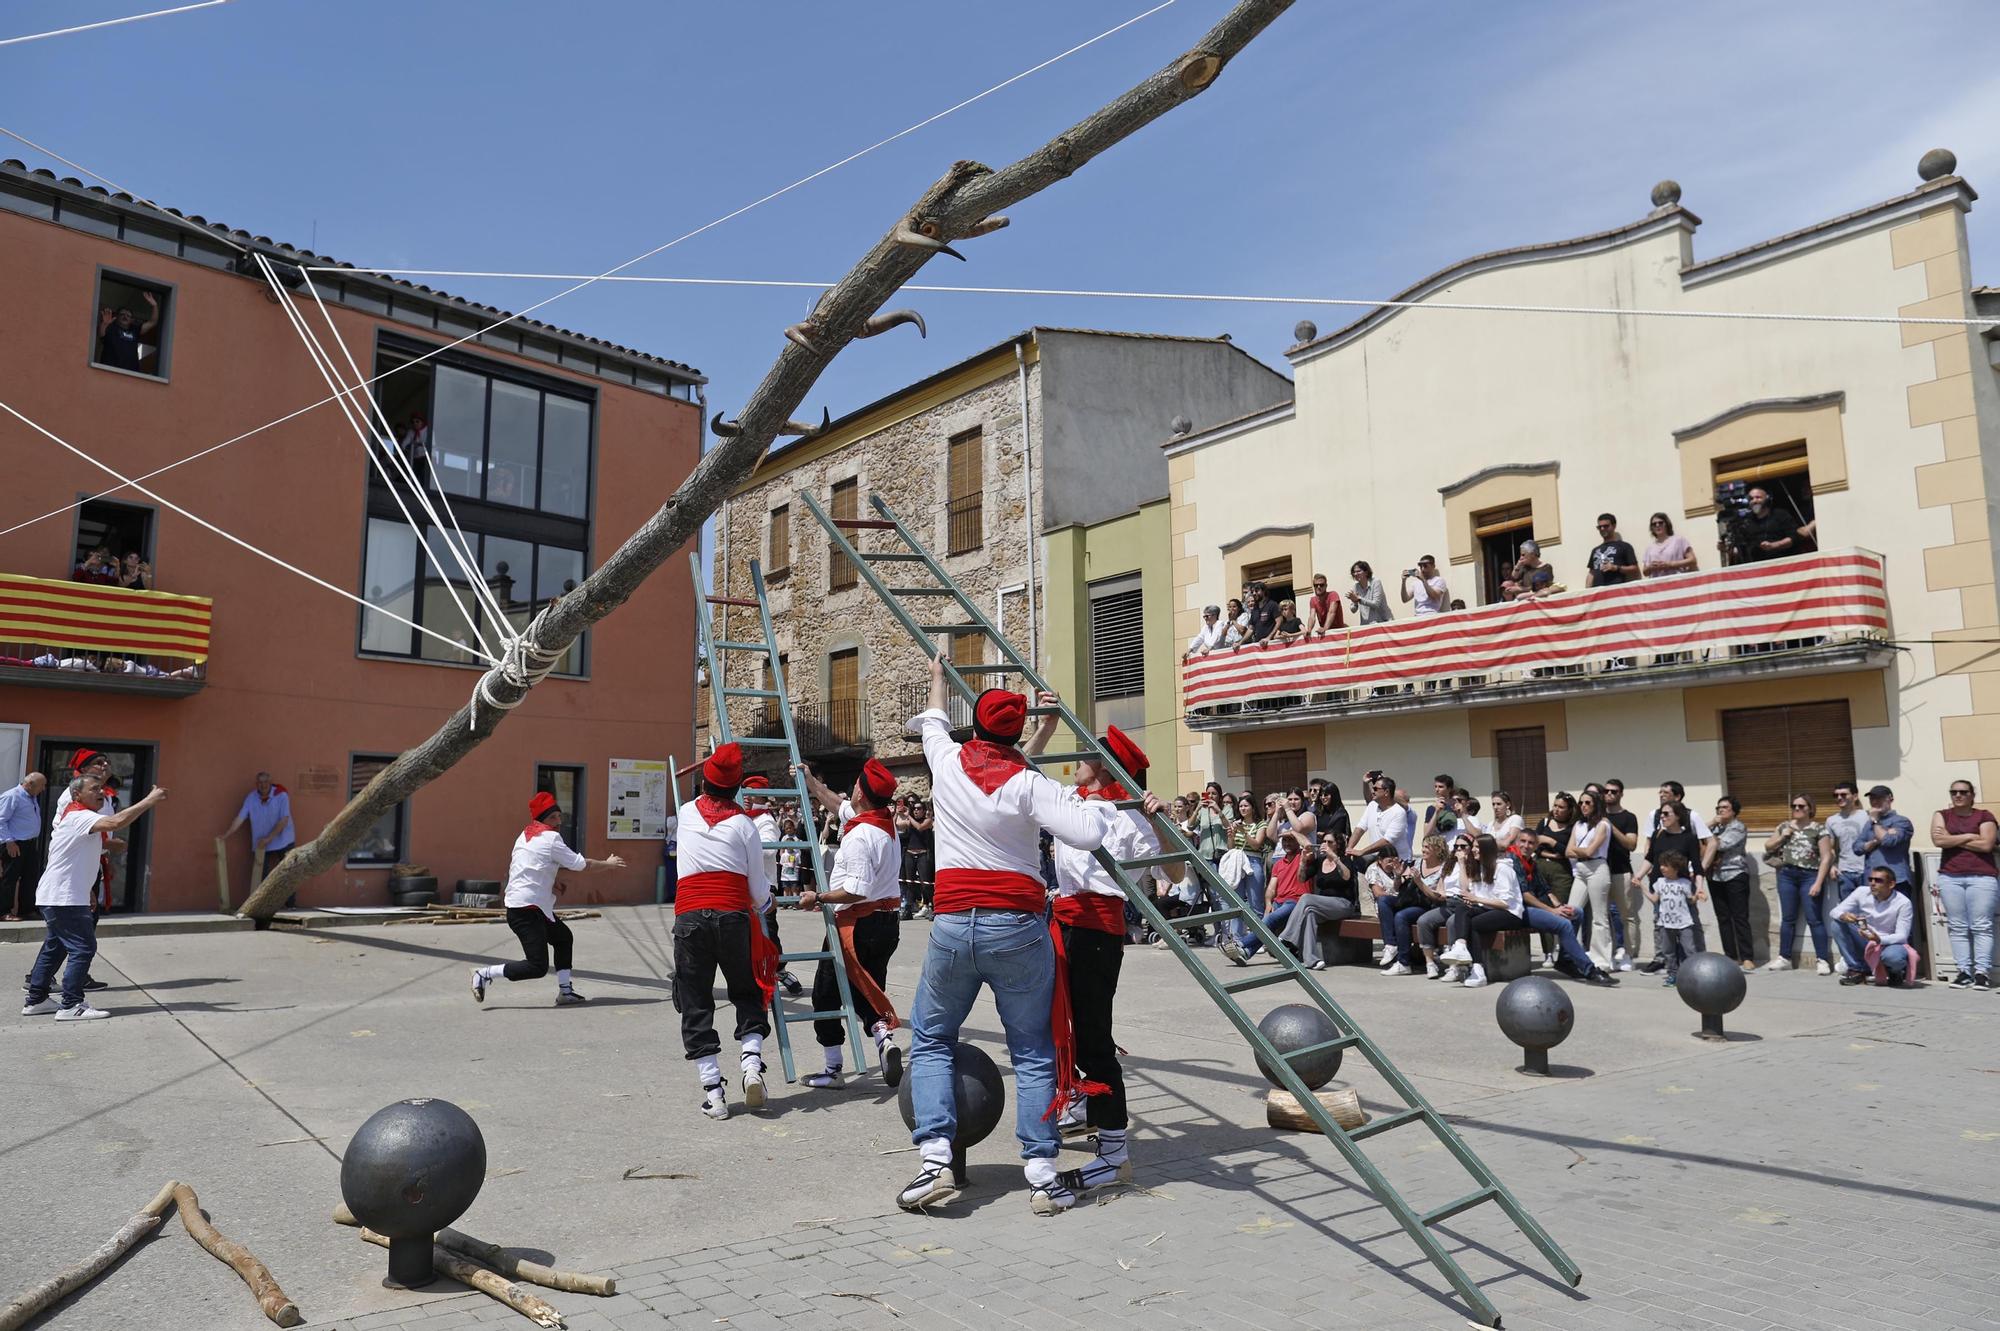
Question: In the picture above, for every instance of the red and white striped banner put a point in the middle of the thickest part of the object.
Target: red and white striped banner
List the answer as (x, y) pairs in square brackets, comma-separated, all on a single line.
[(1837, 595)]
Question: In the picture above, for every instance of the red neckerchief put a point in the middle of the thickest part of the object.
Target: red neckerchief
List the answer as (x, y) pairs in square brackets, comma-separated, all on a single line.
[(715, 811), (535, 828), (276, 789), (988, 765), (1110, 790), (872, 818)]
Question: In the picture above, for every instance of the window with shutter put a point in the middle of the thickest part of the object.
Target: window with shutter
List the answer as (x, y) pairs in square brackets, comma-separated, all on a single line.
[(846, 502), (1281, 770), (964, 510), (843, 706), (1523, 759), (1770, 754), (1118, 652), (1275, 574), (780, 559)]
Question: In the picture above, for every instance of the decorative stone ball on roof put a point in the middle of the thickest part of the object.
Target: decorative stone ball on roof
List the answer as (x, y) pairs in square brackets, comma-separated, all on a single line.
[(1181, 425), (1936, 163), (1666, 194), (1305, 330)]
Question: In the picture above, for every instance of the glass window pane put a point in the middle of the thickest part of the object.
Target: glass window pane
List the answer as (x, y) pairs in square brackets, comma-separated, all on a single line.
[(565, 456), (556, 571), (389, 571), (511, 444), (509, 566), (458, 432), (441, 614), (382, 843)]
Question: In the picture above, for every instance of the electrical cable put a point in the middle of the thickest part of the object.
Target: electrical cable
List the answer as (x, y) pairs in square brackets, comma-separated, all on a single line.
[(110, 23)]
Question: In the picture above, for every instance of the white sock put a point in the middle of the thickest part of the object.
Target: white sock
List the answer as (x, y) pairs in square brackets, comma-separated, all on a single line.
[(753, 1044), (562, 979), (880, 1030), (834, 1057), (709, 1071), (1041, 1173), (935, 1151), (492, 972)]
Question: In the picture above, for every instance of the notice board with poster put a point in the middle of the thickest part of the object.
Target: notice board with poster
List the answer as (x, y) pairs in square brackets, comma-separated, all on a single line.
[(636, 804)]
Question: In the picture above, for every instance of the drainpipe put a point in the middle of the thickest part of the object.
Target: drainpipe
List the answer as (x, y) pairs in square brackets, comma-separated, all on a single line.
[(1028, 480), (694, 712)]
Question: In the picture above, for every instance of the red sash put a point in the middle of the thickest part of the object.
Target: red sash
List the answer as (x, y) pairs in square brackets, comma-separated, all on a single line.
[(1070, 1085), (858, 979), (988, 889), (1092, 910), (715, 889), (765, 961)]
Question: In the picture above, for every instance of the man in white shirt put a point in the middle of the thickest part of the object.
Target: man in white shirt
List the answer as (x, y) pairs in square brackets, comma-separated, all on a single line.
[(539, 854), (865, 883), (1090, 929), (1208, 637), (1876, 914), (721, 893), (1426, 586), (76, 847), (989, 807), (1385, 824), (759, 809)]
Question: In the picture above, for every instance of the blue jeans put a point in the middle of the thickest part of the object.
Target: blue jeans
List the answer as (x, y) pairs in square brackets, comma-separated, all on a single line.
[(1795, 901), (1969, 903), (1009, 952), (1251, 889), (72, 930), (1839, 887), (1275, 922), (1406, 940), (1549, 922), (1895, 957)]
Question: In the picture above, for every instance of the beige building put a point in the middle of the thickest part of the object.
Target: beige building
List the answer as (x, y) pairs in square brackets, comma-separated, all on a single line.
[(1001, 463), (1460, 433)]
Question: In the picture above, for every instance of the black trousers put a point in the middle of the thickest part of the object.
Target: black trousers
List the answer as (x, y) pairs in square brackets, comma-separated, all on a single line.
[(875, 939), (1732, 916), (19, 876), (538, 933), (1487, 920), (706, 941), (1094, 961)]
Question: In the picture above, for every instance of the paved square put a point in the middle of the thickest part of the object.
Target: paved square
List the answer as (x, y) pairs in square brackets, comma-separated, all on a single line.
[(1742, 1186)]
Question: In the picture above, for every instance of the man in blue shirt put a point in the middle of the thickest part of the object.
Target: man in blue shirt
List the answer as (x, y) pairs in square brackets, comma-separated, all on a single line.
[(269, 811), (20, 840), (1888, 843)]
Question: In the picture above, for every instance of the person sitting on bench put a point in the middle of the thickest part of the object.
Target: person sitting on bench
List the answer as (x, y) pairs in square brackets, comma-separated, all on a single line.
[(1490, 887), (1331, 900)]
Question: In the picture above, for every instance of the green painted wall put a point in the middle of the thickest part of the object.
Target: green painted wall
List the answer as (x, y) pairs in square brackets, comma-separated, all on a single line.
[(1075, 557)]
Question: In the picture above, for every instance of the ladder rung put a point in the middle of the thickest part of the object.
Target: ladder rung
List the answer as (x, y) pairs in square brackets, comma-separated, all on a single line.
[(1045, 711), (1344, 1042), (749, 693), (1242, 982), (1004, 668), (838, 1014), (1395, 1120), (773, 793), (894, 556), (732, 600), (1450, 1209), (750, 742), (742, 647), (788, 845), (1207, 917), (1125, 804), (1148, 861), (1079, 755), (821, 955), (952, 628), (864, 524), (921, 591)]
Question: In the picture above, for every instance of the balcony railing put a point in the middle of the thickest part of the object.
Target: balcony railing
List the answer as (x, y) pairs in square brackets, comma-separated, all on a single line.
[(87, 636), (914, 698), (838, 723), (1806, 611)]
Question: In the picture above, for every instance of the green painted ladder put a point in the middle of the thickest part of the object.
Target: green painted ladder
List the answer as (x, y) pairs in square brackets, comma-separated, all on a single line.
[(957, 614), (712, 651)]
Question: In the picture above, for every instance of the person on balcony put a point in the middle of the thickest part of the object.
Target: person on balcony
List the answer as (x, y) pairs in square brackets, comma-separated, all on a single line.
[(1235, 624), (98, 566), (1323, 613), (122, 339), (1289, 628), (1530, 576), (1425, 586), (1368, 600), (135, 574), (1877, 919), (1612, 562), (1262, 612), (1208, 637), (1769, 534)]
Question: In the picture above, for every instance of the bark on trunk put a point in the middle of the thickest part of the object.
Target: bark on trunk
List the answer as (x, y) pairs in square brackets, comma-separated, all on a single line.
[(957, 207)]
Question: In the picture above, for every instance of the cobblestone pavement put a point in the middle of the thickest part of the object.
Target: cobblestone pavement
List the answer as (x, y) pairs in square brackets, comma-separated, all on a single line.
[(1735, 1186)]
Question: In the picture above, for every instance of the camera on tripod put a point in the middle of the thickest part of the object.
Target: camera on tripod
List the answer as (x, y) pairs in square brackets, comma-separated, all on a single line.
[(1732, 517)]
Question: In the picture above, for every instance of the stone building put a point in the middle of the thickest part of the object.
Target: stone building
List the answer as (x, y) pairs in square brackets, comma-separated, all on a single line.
[(1050, 430)]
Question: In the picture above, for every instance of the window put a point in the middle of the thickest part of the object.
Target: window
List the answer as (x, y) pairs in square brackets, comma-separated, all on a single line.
[(843, 711), (132, 324), (967, 649), (566, 784), (1781, 472), (1522, 757), (1499, 533), (1275, 574), (1284, 769), (780, 555), (1770, 754), (1118, 653), (840, 573), (966, 465), (772, 719), (416, 580), (112, 531), (386, 840)]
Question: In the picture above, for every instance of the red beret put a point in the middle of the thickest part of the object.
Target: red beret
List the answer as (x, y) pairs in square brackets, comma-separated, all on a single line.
[(724, 767), (1000, 713), (541, 804), (1129, 755), (83, 758), (756, 781), (881, 782)]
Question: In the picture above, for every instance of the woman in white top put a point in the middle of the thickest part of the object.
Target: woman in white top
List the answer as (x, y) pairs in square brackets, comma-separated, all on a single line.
[(1490, 890), (1588, 838), (1506, 824)]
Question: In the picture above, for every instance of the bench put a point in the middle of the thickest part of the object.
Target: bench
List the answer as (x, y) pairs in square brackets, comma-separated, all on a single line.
[(1509, 953)]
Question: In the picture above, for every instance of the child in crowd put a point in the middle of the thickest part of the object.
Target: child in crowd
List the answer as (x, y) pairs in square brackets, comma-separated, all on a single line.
[(1673, 895)]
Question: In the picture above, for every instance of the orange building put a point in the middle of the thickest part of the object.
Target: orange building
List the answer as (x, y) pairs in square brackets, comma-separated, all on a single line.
[(199, 664)]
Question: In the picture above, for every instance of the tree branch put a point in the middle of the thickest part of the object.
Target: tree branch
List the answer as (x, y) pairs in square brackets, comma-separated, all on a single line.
[(963, 204)]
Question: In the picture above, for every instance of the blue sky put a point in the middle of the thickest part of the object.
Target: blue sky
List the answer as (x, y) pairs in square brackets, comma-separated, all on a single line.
[(1355, 148)]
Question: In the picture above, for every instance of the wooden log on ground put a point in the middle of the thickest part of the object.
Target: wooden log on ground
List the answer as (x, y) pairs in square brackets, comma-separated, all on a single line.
[(549, 1277), (222, 873), (461, 1269), (1283, 1110), (263, 1286), (39, 1298)]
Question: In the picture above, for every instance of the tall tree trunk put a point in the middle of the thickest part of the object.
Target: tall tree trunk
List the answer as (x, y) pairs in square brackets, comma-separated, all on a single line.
[(957, 207)]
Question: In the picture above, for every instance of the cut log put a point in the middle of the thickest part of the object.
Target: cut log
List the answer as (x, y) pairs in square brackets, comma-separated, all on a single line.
[(238, 1258), (37, 1299), (535, 1309), (548, 1277), (1283, 1110), (222, 873)]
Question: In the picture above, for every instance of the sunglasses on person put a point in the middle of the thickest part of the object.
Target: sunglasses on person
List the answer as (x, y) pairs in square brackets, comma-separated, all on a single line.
[(1961, 794), (1802, 805)]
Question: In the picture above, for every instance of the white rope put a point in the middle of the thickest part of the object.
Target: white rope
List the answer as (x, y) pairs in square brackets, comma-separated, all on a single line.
[(110, 22), (116, 188), (523, 665), (609, 272), (227, 536), (324, 364), (1473, 306)]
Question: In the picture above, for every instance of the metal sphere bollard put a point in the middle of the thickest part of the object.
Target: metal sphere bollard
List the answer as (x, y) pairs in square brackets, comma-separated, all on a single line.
[(412, 1169), (1711, 984), (1296, 1026), (981, 1097), (1536, 1014)]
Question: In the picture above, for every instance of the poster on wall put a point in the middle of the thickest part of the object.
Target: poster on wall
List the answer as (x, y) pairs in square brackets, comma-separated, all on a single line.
[(636, 807)]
